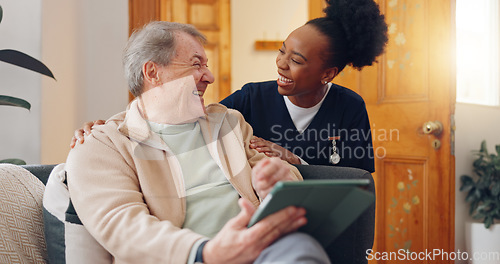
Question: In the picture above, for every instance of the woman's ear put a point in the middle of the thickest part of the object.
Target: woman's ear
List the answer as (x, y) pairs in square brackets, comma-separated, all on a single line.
[(329, 74), (151, 73)]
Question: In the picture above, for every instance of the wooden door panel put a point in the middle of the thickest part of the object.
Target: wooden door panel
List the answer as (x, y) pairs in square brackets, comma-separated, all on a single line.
[(211, 17), (203, 14), (405, 206), (412, 83), (405, 64)]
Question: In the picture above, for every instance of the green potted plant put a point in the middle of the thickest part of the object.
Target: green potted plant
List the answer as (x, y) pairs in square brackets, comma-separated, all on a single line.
[(27, 62), (483, 197), (483, 190)]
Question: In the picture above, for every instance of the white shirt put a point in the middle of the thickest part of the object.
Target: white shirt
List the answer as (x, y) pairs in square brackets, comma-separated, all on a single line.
[(301, 116)]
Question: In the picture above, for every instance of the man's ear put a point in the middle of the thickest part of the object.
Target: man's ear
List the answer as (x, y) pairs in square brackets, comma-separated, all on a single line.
[(151, 73), (329, 74)]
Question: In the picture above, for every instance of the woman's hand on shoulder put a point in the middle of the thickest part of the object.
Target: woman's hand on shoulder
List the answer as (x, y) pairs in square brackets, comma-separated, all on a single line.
[(273, 150), (85, 130)]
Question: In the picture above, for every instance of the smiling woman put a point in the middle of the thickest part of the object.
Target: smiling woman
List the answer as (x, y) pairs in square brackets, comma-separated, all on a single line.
[(303, 99)]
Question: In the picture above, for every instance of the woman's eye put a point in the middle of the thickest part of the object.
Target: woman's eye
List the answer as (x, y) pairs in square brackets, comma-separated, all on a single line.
[(281, 51), (297, 62)]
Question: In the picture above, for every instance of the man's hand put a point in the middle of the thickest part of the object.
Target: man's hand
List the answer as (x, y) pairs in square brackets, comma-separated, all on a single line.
[(268, 172), (84, 131), (273, 150), (236, 243)]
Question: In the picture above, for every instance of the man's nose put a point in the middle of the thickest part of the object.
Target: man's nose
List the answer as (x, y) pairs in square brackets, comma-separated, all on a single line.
[(208, 76)]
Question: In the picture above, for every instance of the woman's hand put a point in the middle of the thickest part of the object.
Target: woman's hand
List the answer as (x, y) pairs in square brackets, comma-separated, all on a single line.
[(84, 131), (273, 150)]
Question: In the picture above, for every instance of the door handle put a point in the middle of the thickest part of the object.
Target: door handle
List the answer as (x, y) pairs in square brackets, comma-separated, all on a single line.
[(432, 127)]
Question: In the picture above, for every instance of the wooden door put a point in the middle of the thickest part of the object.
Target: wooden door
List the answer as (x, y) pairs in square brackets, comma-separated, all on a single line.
[(211, 17), (412, 83)]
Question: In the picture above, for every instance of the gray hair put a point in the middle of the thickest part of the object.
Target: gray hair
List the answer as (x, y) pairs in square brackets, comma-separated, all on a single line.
[(154, 42)]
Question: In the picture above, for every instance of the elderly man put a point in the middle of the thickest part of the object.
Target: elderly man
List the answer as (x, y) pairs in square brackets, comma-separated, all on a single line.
[(172, 181)]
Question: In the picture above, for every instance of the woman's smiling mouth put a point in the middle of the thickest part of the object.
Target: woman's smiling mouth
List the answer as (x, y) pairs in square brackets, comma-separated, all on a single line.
[(282, 80)]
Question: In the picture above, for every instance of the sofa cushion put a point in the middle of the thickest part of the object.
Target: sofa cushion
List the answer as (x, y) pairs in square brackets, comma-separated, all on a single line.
[(21, 221), (67, 239)]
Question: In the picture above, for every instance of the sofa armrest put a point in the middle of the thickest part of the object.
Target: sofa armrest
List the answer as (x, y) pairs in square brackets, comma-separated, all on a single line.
[(42, 172)]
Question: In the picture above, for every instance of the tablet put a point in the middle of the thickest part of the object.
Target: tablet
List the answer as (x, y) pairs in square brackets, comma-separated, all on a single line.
[(331, 205)]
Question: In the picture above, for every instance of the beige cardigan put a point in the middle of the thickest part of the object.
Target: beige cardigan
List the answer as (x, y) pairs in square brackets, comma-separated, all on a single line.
[(128, 188)]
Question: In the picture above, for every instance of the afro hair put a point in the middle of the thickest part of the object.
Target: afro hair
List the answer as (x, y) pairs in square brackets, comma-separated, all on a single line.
[(363, 30)]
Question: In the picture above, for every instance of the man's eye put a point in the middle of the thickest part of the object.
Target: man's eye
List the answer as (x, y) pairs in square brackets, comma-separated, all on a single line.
[(281, 51)]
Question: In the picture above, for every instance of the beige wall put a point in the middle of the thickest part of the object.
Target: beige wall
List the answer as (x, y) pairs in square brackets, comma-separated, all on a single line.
[(474, 123), (251, 22), (82, 41)]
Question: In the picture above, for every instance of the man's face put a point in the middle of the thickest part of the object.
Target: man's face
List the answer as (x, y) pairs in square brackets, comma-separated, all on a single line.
[(189, 59)]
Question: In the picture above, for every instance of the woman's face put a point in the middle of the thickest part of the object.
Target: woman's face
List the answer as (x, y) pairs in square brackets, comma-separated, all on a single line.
[(300, 64)]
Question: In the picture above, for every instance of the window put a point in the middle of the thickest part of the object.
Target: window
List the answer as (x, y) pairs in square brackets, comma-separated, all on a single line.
[(478, 48)]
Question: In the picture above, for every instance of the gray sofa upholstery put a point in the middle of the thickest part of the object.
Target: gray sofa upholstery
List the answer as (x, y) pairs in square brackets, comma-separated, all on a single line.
[(352, 244)]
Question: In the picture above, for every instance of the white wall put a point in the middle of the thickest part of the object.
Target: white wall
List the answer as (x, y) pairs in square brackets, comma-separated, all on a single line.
[(474, 123), (20, 129), (251, 22), (82, 43)]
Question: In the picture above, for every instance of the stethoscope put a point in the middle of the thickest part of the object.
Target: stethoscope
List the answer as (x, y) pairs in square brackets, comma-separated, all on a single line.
[(335, 157)]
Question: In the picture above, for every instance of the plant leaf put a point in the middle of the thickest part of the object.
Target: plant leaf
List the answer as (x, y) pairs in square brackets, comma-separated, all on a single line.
[(25, 61), (495, 190), (466, 182), (479, 216), (14, 101), (13, 161), (484, 148), (488, 221)]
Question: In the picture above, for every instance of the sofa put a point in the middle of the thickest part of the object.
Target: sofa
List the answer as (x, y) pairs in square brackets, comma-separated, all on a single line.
[(22, 237)]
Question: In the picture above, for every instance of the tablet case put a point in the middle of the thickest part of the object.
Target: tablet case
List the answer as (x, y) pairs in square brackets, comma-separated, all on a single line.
[(331, 205)]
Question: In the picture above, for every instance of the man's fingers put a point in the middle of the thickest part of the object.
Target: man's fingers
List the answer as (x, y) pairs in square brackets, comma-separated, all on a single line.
[(243, 218), (268, 169), (280, 223)]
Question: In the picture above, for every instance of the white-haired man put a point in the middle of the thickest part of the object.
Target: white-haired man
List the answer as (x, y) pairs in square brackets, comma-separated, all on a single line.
[(172, 181)]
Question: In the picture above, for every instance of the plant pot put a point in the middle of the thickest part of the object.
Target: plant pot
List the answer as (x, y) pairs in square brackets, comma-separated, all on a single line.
[(483, 245)]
